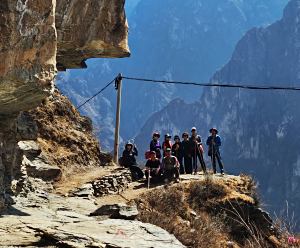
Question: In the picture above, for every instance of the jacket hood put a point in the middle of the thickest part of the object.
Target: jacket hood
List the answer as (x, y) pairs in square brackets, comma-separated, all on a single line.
[(128, 143)]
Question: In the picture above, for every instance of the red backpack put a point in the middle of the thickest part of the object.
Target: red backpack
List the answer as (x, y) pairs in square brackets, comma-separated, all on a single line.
[(147, 154)]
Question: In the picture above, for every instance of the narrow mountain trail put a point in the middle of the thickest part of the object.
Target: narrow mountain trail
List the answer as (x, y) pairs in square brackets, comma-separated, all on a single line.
[(140, 187)]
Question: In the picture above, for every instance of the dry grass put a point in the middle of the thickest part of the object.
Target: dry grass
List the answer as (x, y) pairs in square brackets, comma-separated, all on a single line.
[(209, 213), (66, 137), (166, 207)]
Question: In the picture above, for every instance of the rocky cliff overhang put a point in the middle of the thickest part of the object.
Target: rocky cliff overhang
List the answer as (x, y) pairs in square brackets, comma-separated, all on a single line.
[(39, 37)]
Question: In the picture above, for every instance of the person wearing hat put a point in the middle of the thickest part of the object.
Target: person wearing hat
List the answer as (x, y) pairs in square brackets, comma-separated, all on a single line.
[(177, 151), (155, 145), (170, 165), (167, 144), (130, 161), (187, 154), (153, 167), (196, 151), (214, 142)]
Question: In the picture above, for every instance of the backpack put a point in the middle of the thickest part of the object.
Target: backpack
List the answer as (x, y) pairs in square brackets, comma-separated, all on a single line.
[(121, 161), (147, 154)]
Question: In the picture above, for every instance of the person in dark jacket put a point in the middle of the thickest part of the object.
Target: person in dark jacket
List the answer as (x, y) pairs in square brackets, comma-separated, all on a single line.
[(169, 165), (177, 151), (166, 144), (155, 145), (153, 167), (196, 151), (130, 161), (214, 142), (187, 154)]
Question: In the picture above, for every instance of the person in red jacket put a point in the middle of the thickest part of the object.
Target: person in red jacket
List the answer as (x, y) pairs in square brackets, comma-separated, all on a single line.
[(166, 144)]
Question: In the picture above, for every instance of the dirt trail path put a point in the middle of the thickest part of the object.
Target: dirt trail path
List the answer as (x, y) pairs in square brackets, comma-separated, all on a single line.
[(137, 188)]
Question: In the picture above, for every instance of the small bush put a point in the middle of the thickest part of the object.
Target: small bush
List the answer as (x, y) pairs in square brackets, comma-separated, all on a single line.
[(205, 193)]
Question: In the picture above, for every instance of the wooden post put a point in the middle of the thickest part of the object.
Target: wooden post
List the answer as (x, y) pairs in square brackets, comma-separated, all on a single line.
[(117, 128)]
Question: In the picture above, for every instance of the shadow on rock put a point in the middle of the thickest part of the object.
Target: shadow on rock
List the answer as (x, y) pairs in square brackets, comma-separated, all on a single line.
[(12, 211)]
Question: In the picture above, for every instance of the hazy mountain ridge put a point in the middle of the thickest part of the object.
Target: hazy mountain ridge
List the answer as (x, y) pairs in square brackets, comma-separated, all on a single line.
[(169, 40), (258, 128)]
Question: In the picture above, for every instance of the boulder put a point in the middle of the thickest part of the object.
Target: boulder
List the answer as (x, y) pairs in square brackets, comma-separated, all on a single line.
[(40, 168), (117, 211), (29, 146)]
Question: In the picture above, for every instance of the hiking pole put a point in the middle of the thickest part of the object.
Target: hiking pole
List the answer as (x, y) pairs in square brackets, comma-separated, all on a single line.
[(148, 179), (202, 160), (178, 173), (212, 157), (195, 164)]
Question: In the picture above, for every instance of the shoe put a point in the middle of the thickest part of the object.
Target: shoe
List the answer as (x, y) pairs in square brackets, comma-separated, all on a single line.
[(177, 180), (222, 172), (215, 172), (166, 181)]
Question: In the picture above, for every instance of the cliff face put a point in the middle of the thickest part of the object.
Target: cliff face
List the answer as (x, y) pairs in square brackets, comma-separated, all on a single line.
[(90, 29), (259, 128), (28, 55), (38, 37)]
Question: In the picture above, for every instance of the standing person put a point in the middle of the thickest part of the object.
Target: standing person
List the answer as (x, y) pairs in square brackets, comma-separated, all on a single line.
[(177, 151), (196, 149), (214, 142), (153, 167), (187, 154), (130, 161), (155, 145), (166, 144), (170, 165)]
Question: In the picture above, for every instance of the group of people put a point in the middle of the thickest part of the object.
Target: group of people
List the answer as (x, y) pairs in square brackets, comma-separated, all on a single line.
[(178, 158)]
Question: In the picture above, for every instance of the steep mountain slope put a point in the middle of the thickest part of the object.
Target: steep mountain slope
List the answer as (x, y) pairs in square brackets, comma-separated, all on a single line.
[(172, 40), (259, 128)]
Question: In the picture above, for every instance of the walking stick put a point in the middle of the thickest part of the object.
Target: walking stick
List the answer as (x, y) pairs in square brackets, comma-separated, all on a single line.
[(195, 170), (212, 158), (202, 161), (178, 174), (149, 179)]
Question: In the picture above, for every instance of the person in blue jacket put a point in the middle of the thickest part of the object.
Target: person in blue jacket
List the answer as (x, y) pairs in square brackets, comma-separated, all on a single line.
[(214, 142)]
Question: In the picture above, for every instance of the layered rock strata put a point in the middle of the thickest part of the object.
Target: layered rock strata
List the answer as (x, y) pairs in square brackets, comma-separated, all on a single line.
[(28, 46), (42, 219)]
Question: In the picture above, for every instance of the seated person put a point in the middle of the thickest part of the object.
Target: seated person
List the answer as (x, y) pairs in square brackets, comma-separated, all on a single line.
[(170, 165), (130, 161), (153, 167)]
